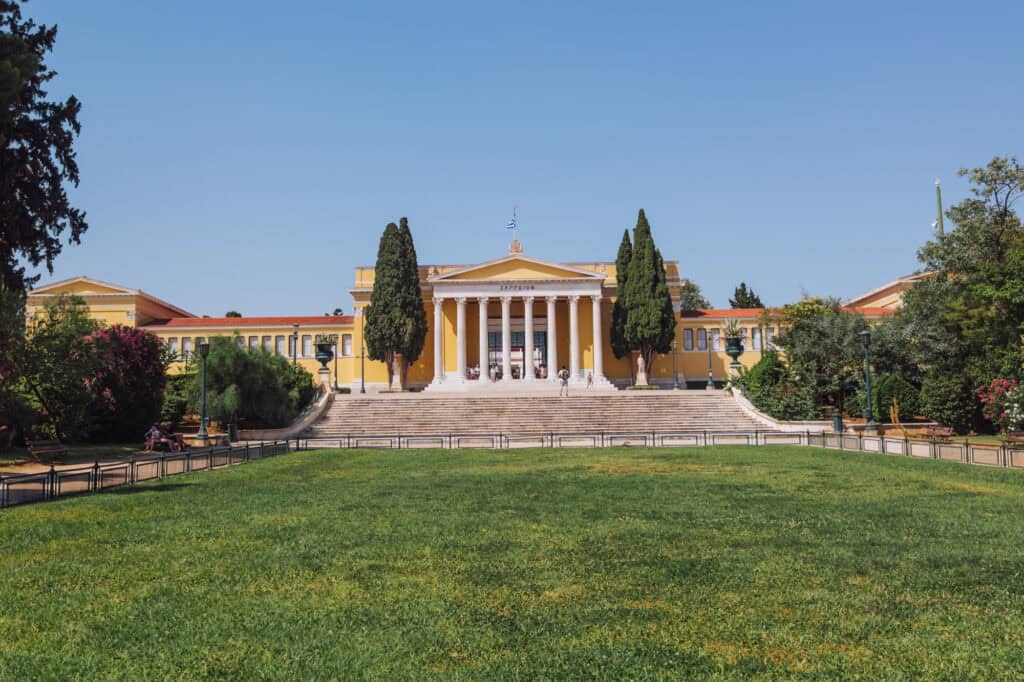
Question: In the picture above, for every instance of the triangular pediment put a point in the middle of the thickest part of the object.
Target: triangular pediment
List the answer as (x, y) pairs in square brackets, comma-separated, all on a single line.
[(82, 286), (517, 268)]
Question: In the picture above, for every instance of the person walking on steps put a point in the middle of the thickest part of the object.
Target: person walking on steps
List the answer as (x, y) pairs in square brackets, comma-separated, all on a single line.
[(563, 378)]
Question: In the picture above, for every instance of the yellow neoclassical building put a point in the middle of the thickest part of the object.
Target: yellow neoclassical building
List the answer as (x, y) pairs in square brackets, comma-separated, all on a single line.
[(503, 324)]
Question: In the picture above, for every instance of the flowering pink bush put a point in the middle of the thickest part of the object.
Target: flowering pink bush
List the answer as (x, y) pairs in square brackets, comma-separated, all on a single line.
[(127, 390), (1002, 403)]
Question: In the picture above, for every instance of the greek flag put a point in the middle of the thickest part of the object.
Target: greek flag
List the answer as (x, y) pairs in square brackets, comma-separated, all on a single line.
[(511, 225)]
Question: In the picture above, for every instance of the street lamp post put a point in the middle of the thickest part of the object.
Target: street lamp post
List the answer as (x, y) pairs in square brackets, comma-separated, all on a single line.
[(675, 365), (295, 344), (711, 378), (868, 412), (204, 350)]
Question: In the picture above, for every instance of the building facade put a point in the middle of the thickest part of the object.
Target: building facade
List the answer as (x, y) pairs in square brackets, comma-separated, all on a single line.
[(509, 323)]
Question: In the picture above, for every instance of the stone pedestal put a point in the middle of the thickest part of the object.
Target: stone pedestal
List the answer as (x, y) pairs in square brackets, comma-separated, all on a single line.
[(324, 377), (396, 376)]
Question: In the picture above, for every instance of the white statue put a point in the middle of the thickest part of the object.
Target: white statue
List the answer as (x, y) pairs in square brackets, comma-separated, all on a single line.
[(641, 371)]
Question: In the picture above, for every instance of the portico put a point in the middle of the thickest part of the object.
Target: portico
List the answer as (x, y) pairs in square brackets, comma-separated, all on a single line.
[(523, 307)]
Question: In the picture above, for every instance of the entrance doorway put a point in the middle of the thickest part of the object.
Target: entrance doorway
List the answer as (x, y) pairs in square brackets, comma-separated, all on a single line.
[(540, 349)]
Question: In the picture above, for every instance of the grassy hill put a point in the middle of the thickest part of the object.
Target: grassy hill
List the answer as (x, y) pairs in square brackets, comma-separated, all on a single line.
[(719, 562)]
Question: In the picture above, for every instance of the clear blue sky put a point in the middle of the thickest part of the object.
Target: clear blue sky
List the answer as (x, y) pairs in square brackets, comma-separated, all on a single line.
[(247, 154)]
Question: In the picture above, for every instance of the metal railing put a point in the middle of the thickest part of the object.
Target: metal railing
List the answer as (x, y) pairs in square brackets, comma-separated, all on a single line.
[(988, 454), (17, 489)]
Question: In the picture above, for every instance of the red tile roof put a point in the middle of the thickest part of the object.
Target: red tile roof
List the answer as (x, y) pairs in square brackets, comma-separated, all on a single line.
[(753, 313), (286, 321)]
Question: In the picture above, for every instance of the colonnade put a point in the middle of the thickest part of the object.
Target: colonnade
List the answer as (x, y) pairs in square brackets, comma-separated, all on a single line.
[(575, 369)]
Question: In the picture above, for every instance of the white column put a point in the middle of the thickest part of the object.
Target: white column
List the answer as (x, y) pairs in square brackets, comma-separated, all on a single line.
[(598, 341), (438, 336), (552, 340), (528, 341), (574, 337), (485, 374), (460, 338), (506, 338)]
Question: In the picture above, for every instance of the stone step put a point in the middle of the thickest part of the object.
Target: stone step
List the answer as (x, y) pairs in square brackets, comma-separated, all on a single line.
[(623, 412)]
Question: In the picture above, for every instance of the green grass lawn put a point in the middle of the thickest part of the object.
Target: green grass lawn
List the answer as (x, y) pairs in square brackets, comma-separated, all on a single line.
[(722, 562)]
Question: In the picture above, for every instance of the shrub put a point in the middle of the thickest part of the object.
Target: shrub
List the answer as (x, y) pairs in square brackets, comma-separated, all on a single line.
[(175, 403), (890, 386), (1002, 403), (775, 389), (947, 398)]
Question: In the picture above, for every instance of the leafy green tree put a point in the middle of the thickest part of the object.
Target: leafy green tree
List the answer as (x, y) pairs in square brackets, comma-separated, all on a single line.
[(414, 317), (617, 333), (744, 297), (825, 350), (650, 320), (57, 363), (36, 153), (16, 415), (232, 314), (257, 387), (691, 297), (967, 318)]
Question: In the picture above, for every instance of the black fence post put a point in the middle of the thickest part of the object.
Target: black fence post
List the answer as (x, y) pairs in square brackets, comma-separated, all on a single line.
[(52, 482), (96, 475)]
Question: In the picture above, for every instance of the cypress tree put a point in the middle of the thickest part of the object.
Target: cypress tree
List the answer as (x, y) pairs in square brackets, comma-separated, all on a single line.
[(744, 297), (414, 317), (620, 348), (650, 321), (383, 329)]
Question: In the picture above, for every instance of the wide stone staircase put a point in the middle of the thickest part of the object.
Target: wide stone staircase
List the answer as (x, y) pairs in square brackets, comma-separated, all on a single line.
[(623, 412)]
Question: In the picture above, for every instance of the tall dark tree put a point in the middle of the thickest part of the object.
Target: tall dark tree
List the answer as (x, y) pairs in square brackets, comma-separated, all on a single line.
[(36, 152), (232, 314), (617, 334), (414, 327), (691, 297), (650, 320), (744, 297), (384, 326)]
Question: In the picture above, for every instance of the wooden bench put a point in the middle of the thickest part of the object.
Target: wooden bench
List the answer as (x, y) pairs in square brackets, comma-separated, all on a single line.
[(50, 448), (939, 432)]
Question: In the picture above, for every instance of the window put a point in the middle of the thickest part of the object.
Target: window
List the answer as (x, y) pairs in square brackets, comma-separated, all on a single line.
[(200, 339), (279, 345), (186, 347), (346, 345), (291, 345), (716, 339), (241, 342), (756, 339), (702, 339), (307, 346), (254, 342), (687, 339), (268, 344), (172, 346)]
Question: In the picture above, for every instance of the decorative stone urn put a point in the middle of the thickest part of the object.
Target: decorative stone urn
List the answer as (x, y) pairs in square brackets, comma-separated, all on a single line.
[(641, 371), (734, 349), (324, 354)]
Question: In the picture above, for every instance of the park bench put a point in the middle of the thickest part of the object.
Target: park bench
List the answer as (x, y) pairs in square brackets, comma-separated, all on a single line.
[(942, 433), (49, 448)]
